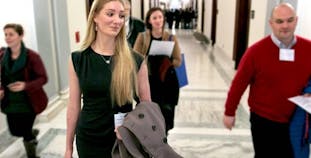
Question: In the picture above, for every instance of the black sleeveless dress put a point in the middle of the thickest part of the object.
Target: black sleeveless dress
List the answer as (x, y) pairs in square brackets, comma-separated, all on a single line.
[(95, 134)]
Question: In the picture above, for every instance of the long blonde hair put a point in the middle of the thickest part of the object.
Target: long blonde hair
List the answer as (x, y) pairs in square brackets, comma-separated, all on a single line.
[(124, 75)]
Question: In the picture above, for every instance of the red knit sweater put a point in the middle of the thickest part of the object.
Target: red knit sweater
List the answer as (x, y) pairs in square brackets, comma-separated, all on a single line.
[(271, 81)]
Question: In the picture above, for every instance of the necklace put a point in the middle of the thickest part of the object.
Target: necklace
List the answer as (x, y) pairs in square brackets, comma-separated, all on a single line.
[(106, 61)]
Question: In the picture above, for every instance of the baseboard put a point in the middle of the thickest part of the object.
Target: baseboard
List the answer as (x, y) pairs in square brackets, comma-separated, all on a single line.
[(52, 110)]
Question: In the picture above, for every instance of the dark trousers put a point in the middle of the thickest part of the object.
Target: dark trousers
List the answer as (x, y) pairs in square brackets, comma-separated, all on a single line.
[(170, 24), (20, 125), (168, 112), (270, 139)]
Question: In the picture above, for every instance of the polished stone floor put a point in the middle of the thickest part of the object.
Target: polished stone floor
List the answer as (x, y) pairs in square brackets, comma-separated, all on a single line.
[(198, 132)]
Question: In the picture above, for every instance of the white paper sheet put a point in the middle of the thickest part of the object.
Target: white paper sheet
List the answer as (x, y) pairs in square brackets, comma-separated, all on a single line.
[(161, 48), (118, 119), (303, 102)]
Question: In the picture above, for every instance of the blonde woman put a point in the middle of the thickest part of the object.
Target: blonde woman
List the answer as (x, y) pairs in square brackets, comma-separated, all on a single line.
[(108, 75)]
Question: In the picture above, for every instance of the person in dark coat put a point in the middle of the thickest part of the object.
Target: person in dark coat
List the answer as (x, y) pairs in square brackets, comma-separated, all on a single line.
[(188, 15), (132, 24), (169, 15), (178, 17), (22, 73)]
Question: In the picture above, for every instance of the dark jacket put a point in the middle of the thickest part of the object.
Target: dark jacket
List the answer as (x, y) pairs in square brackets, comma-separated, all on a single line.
[(135, 26), (143, 134), (35, 77), (163, 80)]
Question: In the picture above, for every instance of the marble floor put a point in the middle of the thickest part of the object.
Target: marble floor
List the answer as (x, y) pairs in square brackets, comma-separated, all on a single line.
[(198, 132)]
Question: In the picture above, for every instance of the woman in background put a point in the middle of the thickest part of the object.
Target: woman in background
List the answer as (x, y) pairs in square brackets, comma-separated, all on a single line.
[(162, 76), (22, 78), (108, 76)]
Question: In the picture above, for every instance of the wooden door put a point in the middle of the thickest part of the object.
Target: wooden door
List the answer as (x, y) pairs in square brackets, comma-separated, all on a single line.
[(241, 32)]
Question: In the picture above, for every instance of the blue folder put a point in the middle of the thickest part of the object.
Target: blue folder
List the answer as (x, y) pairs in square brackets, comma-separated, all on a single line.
[(182, 73)]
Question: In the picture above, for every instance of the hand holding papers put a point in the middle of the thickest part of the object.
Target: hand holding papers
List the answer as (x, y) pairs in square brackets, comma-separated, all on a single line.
[(161, 48), (303, 102)]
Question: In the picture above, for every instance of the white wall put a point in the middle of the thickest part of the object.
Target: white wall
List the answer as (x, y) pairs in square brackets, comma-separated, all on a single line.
[(208, 18), (257, 25), (23, 14), (304, 22), (175, 4), (136, 8), (77, 21), (225, 25), (146, 8), (199, 21)]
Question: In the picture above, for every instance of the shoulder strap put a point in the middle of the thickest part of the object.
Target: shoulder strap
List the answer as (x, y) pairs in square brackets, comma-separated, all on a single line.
[(144, 41)]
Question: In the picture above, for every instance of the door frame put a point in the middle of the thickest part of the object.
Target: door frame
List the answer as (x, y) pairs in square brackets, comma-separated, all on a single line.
[(142, 4), (203, 12), (88, 4), (241, 30), (214, 21)]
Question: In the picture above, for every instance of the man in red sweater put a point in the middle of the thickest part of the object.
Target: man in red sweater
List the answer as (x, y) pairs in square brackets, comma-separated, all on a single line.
[(276, 68)]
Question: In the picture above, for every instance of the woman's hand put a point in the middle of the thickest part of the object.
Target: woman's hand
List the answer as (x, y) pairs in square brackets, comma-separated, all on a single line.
[(307, 95), (17, 86), (68, 154), (117, 133), (1, 94)]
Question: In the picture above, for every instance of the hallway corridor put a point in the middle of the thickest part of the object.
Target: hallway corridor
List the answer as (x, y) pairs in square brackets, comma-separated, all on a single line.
[(198, 132)]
